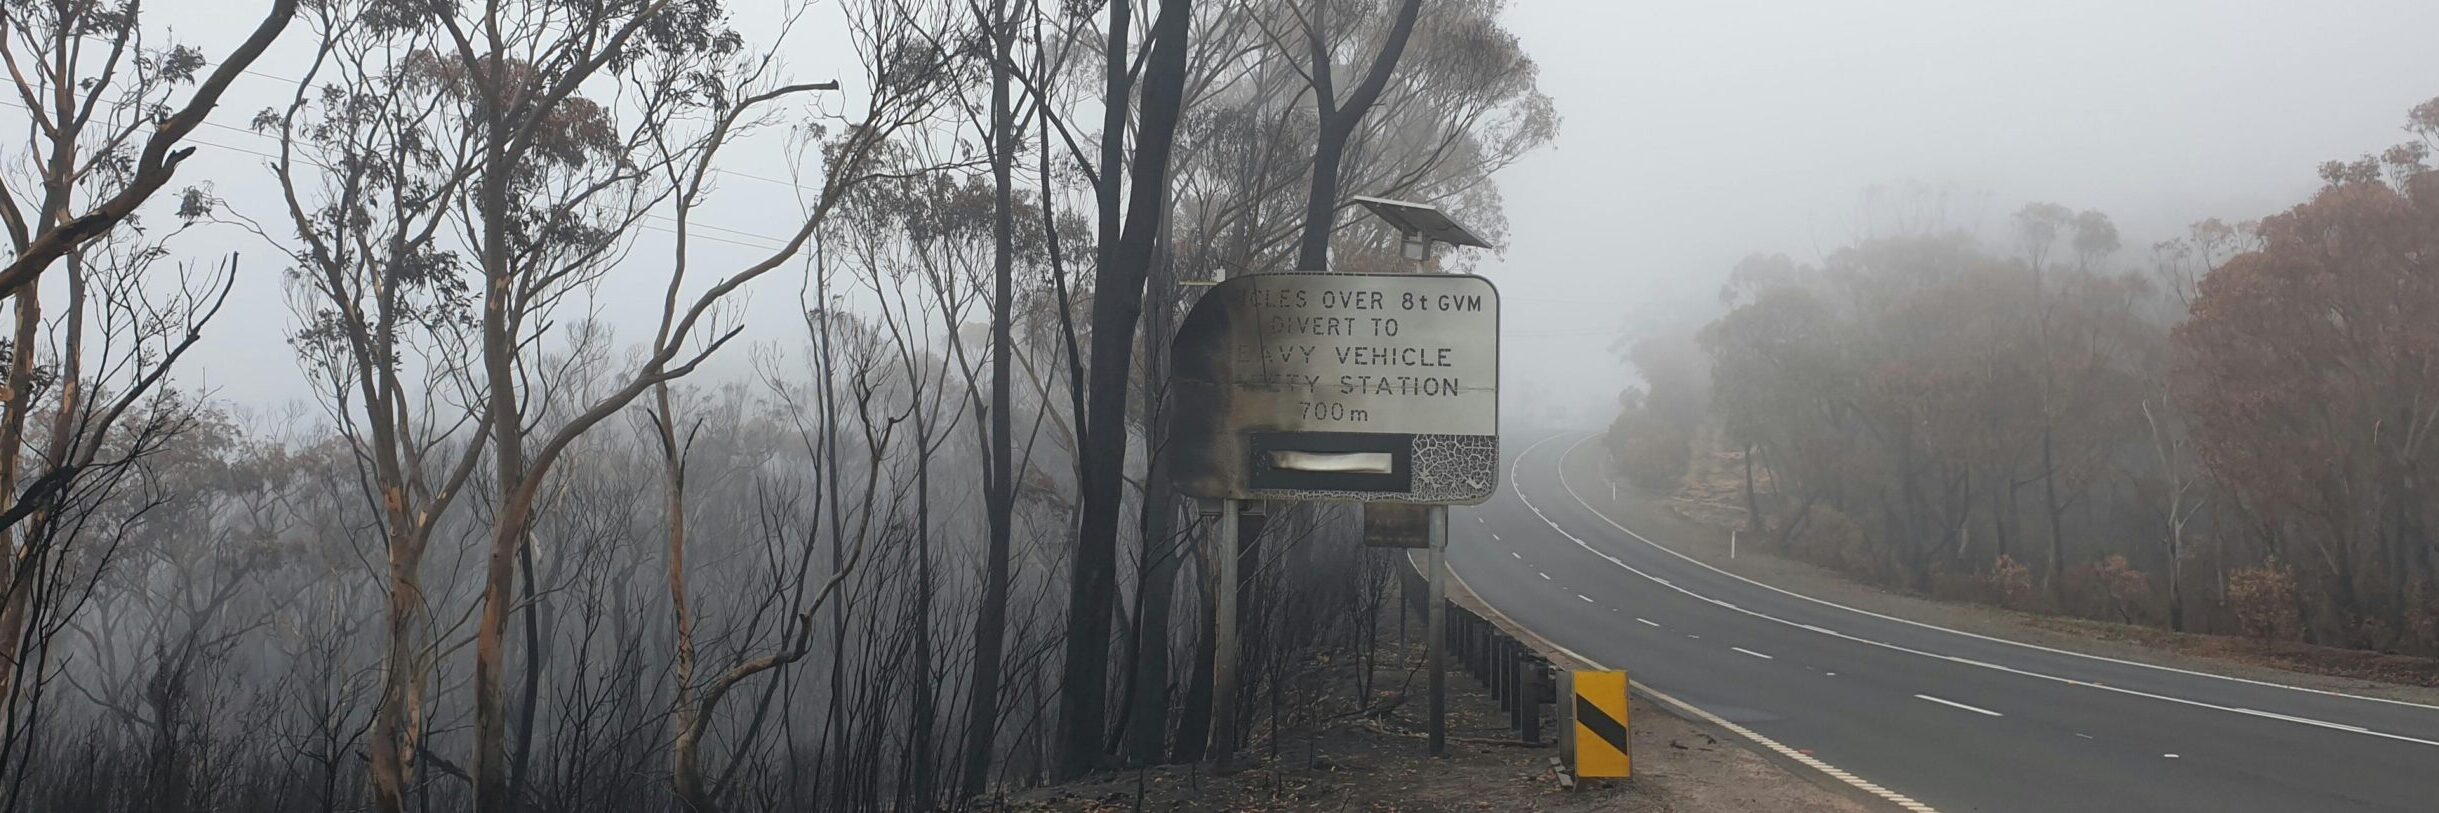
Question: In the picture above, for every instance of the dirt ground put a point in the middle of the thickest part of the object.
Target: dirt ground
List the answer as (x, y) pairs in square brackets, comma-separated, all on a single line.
[(1353, 764), (1699, 530)]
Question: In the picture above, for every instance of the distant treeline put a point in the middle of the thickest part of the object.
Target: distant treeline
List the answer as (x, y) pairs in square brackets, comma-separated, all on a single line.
[(2232, 434)]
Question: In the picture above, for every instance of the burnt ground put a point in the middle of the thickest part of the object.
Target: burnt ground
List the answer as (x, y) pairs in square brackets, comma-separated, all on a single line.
[(1377, 763)]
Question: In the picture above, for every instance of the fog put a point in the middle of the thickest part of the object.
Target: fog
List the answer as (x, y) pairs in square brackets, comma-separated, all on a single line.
[(457, 428), (1697, 133)]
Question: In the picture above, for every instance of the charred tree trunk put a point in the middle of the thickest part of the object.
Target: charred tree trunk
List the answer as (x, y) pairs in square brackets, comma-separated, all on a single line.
[(927, 696), (1338, 122), (1194, 713), (999, 487), (1116, 310), (1149, 700)]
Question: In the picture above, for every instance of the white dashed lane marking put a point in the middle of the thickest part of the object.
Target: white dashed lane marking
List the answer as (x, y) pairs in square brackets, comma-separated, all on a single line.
[(1579, 542), (1801, 757), (1752, 653), (1587, 599), (1648, 622), (1957, 705)]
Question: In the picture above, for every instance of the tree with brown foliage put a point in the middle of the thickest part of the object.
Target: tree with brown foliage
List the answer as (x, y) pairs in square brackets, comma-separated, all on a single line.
[(2310, 368)]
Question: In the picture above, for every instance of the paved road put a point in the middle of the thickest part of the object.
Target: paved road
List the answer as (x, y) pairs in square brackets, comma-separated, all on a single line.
[(1952, 721)]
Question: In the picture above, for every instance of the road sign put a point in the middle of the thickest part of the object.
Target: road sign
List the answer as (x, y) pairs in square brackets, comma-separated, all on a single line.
[(1397, 524), (1344, 387), (1598, 738)]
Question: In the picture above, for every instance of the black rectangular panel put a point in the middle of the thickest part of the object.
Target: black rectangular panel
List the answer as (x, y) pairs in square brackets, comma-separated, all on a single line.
[(1262, 476)]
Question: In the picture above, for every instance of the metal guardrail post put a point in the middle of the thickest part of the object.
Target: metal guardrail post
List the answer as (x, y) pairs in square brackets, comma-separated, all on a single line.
[(1466, 641), (1535, 675), (1456, 637), (1498, 681), (1511, 672), (1482, 647), (1508, 675)]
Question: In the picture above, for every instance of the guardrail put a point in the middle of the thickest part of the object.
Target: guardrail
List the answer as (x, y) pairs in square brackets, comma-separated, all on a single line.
[(1513, 667)]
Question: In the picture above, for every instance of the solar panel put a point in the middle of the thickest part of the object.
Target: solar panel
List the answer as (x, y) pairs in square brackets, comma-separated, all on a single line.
[(1420, 219)]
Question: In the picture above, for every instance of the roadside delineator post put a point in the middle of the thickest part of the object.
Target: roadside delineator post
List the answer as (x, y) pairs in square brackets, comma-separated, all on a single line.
[(1597, 742)]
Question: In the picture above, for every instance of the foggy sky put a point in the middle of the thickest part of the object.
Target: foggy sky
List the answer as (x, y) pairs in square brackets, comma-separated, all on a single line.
[(1696, 133)]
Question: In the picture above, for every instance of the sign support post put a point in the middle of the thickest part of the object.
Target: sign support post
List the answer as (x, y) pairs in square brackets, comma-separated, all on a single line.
[(1379, 389), (1224, 633), (1436, 634)]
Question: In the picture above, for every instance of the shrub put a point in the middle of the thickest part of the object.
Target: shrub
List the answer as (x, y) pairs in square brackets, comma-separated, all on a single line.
[(1653, 454), (2110, 588), (2263, 600), (2422, 616), (2011, 581)]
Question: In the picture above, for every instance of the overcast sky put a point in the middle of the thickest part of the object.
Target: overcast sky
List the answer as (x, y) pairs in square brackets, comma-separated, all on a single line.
[(1698, 132)]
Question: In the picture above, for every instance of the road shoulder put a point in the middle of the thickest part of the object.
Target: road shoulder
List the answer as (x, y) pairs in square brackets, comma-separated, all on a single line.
[(1376, 761), (2409, 679)]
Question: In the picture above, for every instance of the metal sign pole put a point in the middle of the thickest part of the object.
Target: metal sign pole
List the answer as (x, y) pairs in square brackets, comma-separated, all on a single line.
[(1302, 387), (1223, 638), (1436, 633)]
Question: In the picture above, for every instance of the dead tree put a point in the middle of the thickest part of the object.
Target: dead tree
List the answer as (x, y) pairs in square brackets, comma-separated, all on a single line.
[(1338, 118), (1118, 289)]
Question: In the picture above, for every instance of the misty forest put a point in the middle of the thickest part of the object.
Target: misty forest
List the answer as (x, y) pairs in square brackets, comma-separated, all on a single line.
[(508, 557), (868, 510), (2220, 431)]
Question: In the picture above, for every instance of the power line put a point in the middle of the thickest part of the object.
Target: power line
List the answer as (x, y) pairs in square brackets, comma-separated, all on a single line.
[(772, 243), (261, 75), (748, 176), (664, 229), (1565, 332)]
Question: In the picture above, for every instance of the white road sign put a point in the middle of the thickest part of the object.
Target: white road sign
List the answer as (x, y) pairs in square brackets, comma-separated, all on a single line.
[(1311, 386), (1410, 354)]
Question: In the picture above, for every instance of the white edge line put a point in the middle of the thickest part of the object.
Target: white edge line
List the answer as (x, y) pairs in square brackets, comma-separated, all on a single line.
[(1691, 710), (1954, 704), (1528, 503), (1570, 487)]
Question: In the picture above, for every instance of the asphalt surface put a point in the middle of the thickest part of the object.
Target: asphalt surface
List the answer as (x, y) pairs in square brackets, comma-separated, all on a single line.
[(1954, 721)]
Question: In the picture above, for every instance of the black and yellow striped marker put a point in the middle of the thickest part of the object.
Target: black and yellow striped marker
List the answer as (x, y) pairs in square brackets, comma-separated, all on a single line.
[(1600, 741)]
